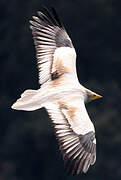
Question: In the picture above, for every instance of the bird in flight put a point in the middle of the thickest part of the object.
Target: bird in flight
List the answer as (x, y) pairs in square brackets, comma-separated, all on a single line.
[(60, 92)]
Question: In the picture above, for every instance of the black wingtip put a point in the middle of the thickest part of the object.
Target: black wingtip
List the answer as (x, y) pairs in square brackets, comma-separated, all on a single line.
[(79, 159), (57, 17), (52, 16)]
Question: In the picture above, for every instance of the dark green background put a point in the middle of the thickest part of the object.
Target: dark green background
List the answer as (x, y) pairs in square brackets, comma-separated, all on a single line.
[(28, 148)]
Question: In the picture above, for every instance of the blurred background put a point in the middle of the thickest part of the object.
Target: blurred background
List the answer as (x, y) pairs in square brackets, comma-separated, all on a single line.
[(28, 147)]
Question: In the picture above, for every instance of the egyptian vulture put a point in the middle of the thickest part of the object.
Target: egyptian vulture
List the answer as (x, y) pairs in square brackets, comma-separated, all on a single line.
[(60, 93)]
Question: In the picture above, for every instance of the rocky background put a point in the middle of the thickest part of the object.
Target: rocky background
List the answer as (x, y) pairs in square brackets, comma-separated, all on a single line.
[(28, 147)]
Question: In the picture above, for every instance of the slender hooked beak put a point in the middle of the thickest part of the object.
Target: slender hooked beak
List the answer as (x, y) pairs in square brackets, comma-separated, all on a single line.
[(96, 96)]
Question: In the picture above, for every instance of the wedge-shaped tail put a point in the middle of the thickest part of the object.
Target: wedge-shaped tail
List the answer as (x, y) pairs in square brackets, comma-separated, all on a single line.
[(27, 101)]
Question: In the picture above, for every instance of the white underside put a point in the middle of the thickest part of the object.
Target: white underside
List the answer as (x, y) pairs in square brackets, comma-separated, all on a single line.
[(66, 89)]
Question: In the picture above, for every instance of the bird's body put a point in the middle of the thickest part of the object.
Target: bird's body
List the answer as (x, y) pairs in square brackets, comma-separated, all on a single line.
[(61, 93)]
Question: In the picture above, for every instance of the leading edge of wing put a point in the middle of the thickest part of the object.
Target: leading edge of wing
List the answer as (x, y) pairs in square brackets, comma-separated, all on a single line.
[(49, 34)]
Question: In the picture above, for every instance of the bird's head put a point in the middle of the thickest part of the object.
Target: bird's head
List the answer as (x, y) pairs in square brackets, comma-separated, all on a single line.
[(90, 95)]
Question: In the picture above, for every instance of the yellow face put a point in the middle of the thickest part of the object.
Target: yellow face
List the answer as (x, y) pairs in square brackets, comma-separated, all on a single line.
[(95, 96), (92, 96)]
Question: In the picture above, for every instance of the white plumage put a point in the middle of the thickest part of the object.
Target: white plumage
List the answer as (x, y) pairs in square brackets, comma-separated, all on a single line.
[(61, 93)]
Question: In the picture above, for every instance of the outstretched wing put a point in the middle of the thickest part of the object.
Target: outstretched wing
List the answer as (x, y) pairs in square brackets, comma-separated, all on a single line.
[(76, 136), (54, 50)]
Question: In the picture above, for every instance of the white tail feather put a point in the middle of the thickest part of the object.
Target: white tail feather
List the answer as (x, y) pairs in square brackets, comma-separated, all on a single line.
[(27, 101)]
